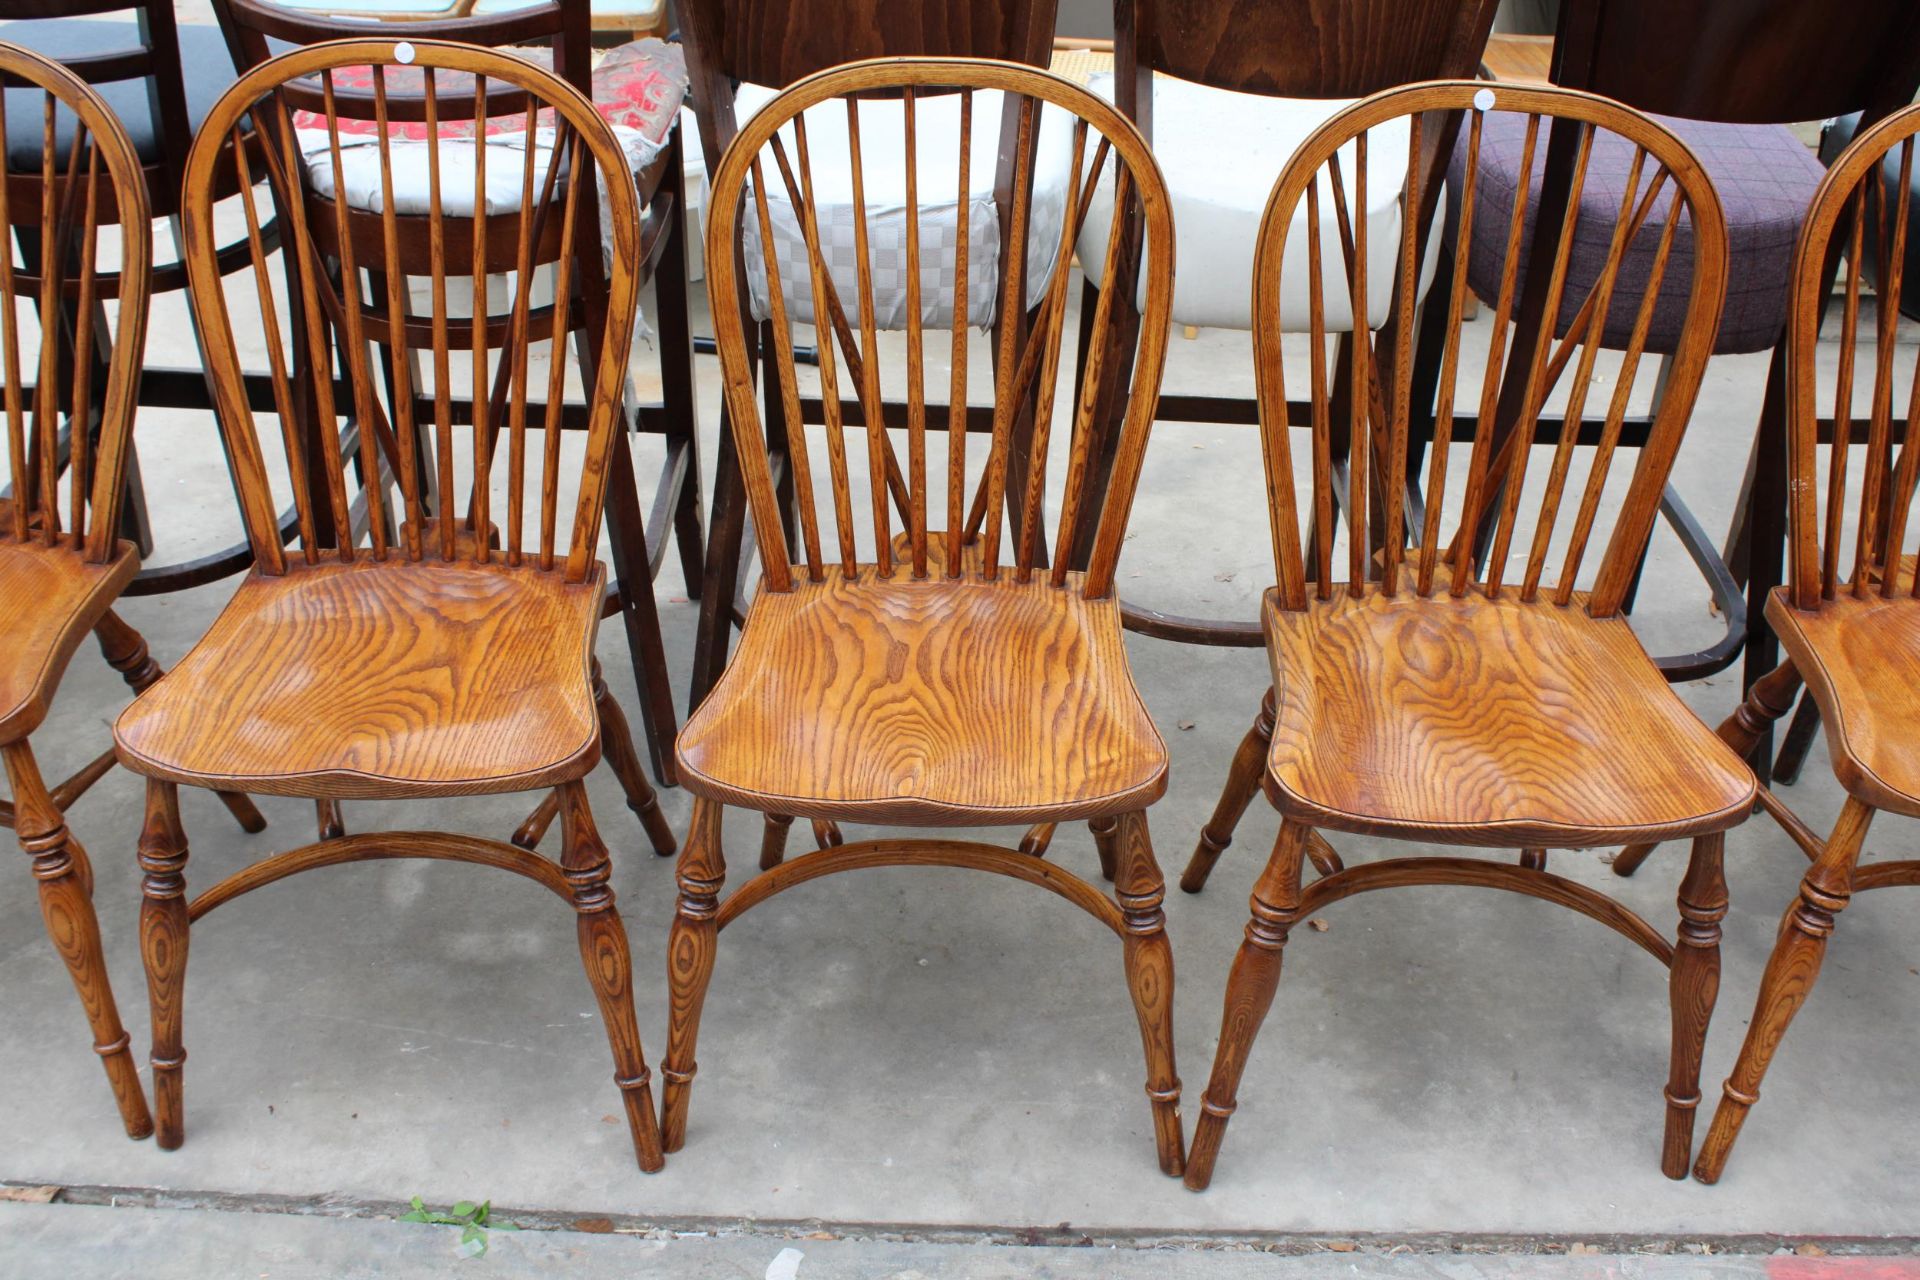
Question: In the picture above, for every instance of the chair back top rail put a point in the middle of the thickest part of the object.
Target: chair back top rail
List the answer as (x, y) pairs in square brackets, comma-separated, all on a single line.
[(73, 433), (1393, 542), (1296, 48), (772, 166), (1851, 529), (1742, 61), (528, 206)]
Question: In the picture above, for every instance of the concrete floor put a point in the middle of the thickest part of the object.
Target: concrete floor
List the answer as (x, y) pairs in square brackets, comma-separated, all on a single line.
[(926, 1048)]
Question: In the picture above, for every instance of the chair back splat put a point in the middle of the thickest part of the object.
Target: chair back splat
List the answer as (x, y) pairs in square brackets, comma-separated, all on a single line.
[(1425, 546), (766, 193), (70, 371), (535, 219)]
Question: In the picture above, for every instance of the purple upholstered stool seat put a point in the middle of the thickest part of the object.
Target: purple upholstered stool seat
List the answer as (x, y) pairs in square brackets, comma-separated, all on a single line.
[(1765, 177)]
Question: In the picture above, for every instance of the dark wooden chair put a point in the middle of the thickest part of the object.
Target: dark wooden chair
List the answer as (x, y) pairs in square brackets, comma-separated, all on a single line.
[(159, 78), (1257, 79), (1419, 699), (62, 565), (454, 657), (927, 677), (638, 539), (1849, 615), (737, 54)]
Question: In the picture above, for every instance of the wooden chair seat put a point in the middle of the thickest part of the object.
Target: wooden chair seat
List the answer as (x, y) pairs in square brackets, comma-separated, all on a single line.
[(381, 680), (54, 596), (1845, 651), (1486, 722), (943, 702)]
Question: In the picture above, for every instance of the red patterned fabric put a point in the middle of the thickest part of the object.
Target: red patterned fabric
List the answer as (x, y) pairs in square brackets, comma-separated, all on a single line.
[(637, 86)]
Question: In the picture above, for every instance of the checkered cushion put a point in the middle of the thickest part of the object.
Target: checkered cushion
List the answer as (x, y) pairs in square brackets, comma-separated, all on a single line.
[(1765, 178), (883, 179)]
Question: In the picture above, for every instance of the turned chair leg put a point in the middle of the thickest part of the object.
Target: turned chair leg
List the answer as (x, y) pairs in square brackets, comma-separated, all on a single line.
[(1106, 833), (1250, 989), (690, 951), (616, 742), (827, 834), (1789, 978), (327, 819), (773, 840), (125, 650), (1039, 838), (1693, 987), (1243, 782), (609, 966), (163, 947), (529, 833), (1141, 889), (1770, 698), (66, 906)]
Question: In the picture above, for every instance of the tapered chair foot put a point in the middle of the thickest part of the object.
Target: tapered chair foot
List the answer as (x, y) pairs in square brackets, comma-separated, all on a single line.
[(66, 908), (1243, 783), (1791, 972)]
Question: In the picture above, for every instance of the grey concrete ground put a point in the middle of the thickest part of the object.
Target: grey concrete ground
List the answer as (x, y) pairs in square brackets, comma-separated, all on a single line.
[(57, 1242), (928, 1049)]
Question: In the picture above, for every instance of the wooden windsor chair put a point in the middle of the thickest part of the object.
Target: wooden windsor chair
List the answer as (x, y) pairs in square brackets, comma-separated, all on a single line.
[(1849, 616), (1420, 699), (455, 657), (739, 55), (638, 538), (923, 677), (63, 563)]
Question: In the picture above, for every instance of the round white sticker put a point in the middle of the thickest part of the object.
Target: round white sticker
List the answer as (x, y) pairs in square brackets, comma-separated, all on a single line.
[(1483, 100), (403, 52)]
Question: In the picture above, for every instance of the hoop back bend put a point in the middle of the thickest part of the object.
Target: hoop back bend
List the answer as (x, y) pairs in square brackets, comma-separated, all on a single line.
[(1852, 534), (1418, 550), (66, 484), (507, 209), (770, 161)]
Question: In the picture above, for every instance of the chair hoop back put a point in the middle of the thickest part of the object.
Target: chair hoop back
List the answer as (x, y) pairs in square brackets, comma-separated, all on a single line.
[(768, 180), (527, 201), (1394, 542), (71, 408), (1868, 192)]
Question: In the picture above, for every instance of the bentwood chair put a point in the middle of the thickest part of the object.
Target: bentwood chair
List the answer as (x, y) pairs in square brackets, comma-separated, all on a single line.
[(455, 657), (1418, 699), (1849, 616), (927, 678), (739, 56), (159, 77), (638, 539), (61, 571)]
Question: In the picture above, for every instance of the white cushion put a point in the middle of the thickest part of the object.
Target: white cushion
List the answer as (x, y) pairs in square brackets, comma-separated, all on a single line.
[(883, 175), (1221, 153)]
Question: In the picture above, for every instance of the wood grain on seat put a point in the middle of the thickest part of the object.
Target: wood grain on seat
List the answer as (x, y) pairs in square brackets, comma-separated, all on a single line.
[(1845, 651), (51, 597), (940, 702), (1486, 722), (387, 679)]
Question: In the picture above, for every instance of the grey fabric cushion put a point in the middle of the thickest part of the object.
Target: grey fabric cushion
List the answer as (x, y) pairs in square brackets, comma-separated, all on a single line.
[(206, 66), (1765, 178)]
